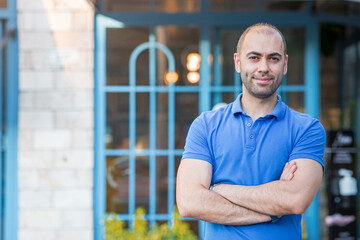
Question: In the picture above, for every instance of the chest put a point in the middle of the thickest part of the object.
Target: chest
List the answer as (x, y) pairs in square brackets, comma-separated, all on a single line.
[(250, 153)]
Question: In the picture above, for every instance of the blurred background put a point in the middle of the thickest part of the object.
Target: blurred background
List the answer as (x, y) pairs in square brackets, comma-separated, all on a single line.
[(97, 97)]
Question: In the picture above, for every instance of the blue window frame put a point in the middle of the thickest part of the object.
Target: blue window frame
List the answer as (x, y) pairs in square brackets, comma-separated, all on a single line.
[(8, 120), (214, 87)]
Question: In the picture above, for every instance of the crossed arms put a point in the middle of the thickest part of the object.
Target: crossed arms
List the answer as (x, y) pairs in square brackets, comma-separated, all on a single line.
[(243, 205)]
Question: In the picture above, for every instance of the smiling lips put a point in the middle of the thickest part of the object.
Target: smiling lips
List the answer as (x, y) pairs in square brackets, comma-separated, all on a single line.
[(263, 80)]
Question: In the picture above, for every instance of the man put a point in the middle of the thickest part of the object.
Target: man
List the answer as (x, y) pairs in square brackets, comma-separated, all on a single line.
[(250, 169)]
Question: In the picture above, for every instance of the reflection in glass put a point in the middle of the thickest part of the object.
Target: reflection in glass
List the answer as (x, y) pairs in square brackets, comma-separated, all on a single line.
[(142, 183), (181, 41), (173, 6), (294, 100), (161, 185), (142, 120), (117, 184), (186, 105), (221, 98), (117, 120), (162, 120), (120, 43), (281, 5), (3, 4), (232, 5)]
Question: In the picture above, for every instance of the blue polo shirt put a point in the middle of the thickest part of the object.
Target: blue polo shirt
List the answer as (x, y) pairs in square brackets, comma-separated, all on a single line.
[(251, 153)]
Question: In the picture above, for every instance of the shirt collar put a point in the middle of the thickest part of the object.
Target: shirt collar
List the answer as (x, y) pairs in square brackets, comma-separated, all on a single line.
[(278, 111)]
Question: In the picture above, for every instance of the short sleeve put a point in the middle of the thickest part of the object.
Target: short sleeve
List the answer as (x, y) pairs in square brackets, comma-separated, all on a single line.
[(311, 144), (197, 144)]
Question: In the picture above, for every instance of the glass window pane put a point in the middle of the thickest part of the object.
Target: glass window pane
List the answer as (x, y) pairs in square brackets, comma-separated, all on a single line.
[(184, 44), (117, 120), (295, 41), (221, 98), (127, 5), (186, 105), (349, 8), (294, 100), (120, 43), (161, 185), (173, 6), (142, 120), (142, 183), (162, 120), (3, 4), (281, 5), (232, 5), (117, 184)]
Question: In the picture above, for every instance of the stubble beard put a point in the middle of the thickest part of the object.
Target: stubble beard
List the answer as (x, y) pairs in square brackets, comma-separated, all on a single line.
[(260, 92)]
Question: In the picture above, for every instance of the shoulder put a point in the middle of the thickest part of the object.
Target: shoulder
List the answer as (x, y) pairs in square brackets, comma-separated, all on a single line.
[(303, 123), (214, 117)]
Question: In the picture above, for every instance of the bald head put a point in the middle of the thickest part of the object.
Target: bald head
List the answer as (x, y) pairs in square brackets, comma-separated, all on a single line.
[(263, 28)]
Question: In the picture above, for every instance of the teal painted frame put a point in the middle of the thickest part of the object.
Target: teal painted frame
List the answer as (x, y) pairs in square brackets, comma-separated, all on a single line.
[(206, 20), (10, 201)]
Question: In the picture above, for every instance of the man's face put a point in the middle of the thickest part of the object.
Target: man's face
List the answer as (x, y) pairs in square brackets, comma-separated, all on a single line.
[(261, 63)]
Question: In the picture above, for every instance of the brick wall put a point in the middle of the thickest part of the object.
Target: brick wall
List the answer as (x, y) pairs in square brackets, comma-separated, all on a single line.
[(55, 119)]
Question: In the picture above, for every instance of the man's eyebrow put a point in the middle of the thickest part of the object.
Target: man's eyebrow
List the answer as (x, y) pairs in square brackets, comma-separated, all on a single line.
[(253, 53), (275, 54)]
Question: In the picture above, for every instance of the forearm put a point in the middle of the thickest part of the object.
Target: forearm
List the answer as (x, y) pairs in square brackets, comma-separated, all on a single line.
[(274, 198), (211, 207)]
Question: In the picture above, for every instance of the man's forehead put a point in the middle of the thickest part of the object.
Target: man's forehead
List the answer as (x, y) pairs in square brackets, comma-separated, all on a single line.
[(265, 36)]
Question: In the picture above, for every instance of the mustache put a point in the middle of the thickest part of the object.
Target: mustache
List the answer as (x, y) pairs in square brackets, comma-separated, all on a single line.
[(264, 76)]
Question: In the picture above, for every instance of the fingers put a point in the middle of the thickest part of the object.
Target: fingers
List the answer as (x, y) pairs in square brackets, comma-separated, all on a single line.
[(288, 171)]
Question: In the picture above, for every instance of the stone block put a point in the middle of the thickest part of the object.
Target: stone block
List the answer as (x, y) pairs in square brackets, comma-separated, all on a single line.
[(85, 234), (29, 159), (40, 219), (63, 57), (28, 179), (83, 20), (61, 179), (74, 79), (75, 159), (36, 80), (37, 234), (79, 198), (52, 139), (26, 100), (84, 99), (77, 219), (83, 138), (25, 139), (80, 39), (36, 40), (74, 119), (73, 5), (35, 199), (31, 5), (54, 100), (33, 119)]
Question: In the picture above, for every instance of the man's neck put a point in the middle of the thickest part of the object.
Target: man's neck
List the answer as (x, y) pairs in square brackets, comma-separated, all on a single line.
[(258, 107)]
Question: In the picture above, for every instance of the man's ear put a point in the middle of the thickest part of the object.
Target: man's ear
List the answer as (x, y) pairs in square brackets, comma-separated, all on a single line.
[(285, 65), (237, 62)]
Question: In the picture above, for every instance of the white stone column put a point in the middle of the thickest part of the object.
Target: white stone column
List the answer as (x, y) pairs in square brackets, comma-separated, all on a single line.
[(56, 121)]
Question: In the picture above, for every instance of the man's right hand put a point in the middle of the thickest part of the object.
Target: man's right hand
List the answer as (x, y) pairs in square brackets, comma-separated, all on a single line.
[(288, 171)]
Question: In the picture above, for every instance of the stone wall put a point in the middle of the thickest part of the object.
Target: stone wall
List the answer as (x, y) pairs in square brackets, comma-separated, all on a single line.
[(56, 121)]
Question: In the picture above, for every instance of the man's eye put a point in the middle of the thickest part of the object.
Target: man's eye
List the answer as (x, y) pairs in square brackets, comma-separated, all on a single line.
[(275, 59), (253, 57)]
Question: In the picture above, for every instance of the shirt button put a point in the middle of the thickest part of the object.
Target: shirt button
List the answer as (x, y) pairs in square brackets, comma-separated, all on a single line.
[(248, 124), (251, 136)]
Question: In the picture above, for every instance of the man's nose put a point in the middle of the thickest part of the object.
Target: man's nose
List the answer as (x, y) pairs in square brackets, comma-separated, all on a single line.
[(263, 66)]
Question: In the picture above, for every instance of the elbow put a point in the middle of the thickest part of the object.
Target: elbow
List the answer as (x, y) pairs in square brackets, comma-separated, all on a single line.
[(184, 206), (299, 206)]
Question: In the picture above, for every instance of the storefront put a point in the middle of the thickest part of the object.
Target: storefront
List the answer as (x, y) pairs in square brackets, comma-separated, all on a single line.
[(143, 109)]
